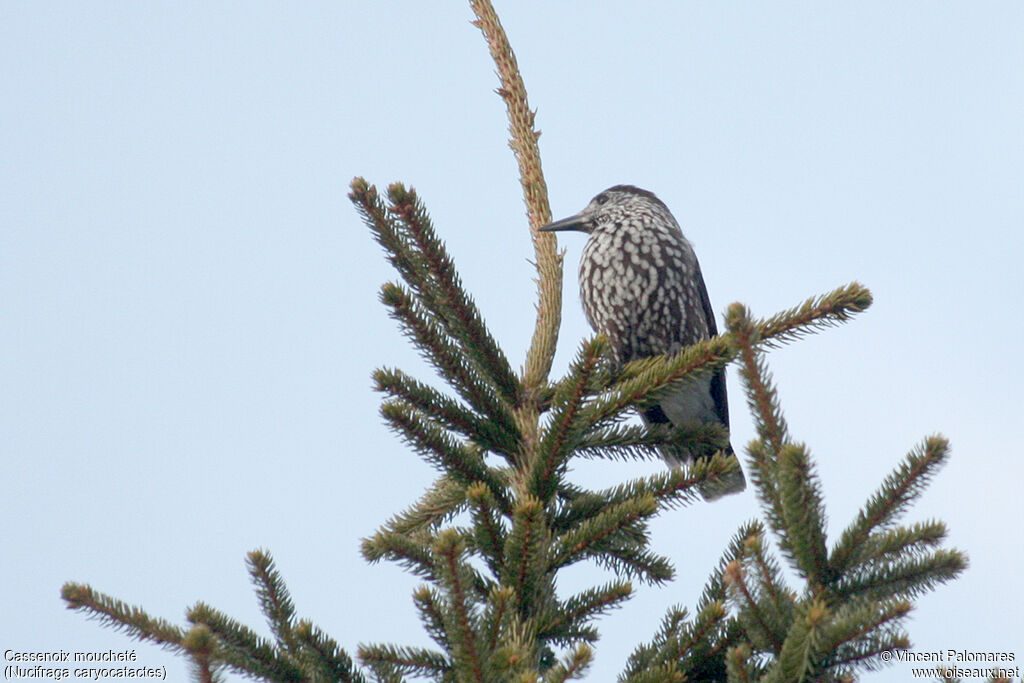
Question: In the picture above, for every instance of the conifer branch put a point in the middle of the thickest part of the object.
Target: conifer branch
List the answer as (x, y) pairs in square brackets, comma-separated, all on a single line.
[(656, 673), (444, 410), (497, 616), (739, 663), (408, 551), (275, 603), (572, 667), (438, 448), (626, 560), (762, 400), (201, 645), (582, 378), (429, 603), (800, 498), (714, 589), (121, 616), (445, 354), (585, 606), (672, 489), (694, 649), (325, 656), (901, 541), (535, 193), (863, 629), (385, 672), (906, 578), (578, 505), (244, 650), (892, 499), (388, 234), (526, 552), (642, 661), (813, 314), (698, 647), (709, 638), (598, 379), (756, 625), (642, 442), (798, 659), (865, 652), (216, 641), (677, 645), (447, 298), (589, 536), (562, 434), (444, 499), (459, 618), (412, 661), (763, 474), (646, 377), (762, 397), (488, 533), (776, 604), (827, 310)]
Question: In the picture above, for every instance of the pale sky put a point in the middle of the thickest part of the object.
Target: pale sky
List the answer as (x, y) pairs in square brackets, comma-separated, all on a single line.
[(190, 314)]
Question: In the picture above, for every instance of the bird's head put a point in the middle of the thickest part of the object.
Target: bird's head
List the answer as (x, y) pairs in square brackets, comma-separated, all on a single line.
[(610, 208)]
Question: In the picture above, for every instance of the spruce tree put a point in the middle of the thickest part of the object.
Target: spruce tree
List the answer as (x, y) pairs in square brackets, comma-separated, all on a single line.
[(491, 533)]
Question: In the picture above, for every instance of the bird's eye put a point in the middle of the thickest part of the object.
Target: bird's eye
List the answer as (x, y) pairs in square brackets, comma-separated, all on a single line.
[(602, 198)]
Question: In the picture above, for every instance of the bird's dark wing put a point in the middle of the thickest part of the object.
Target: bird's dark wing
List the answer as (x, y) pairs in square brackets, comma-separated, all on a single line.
[(705, 303), (718, 394), (655, 415)]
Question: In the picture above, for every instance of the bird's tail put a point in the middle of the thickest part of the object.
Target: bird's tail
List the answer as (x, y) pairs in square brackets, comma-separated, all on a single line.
[(733, 482), (713, 488)]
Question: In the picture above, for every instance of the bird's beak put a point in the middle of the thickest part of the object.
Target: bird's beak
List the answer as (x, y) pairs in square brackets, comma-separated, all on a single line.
[(578, 222)]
